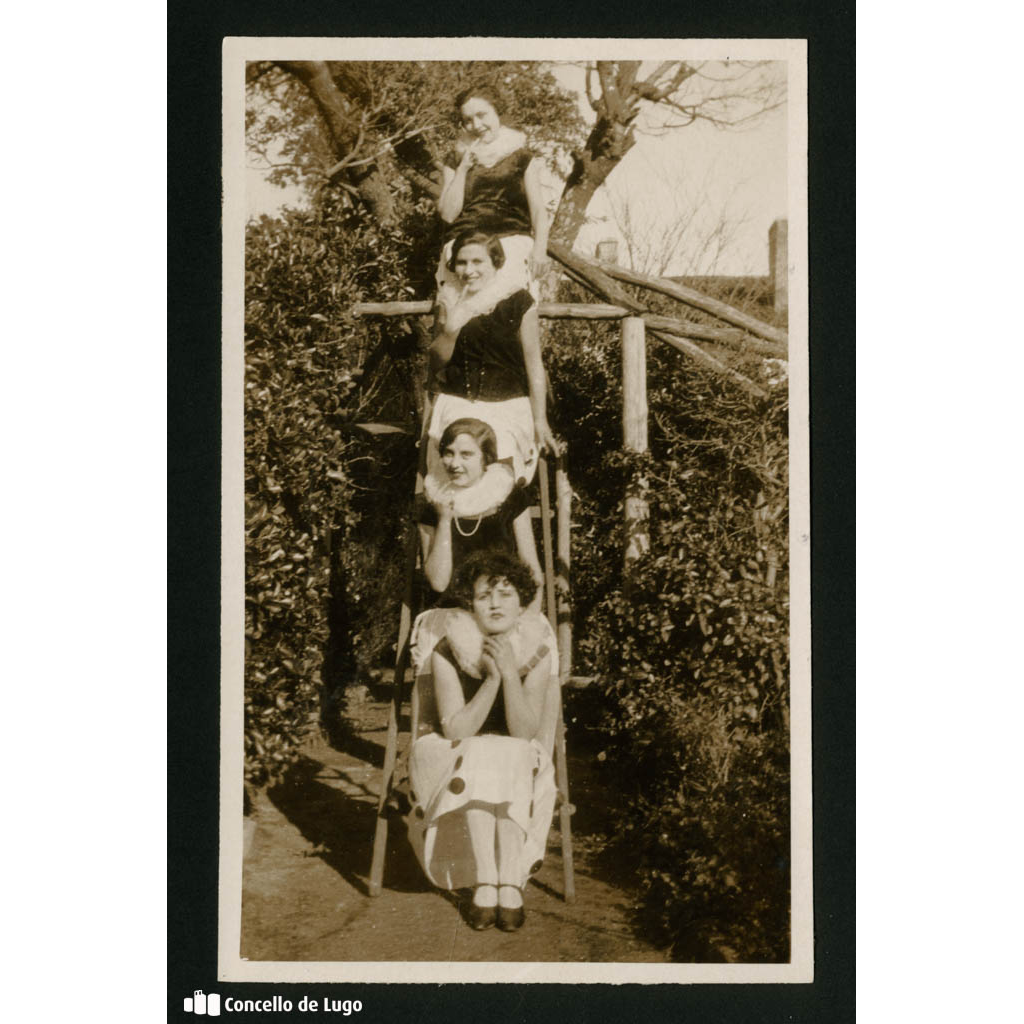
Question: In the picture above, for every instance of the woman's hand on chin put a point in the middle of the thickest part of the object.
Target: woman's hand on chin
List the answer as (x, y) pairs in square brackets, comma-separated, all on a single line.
[(498, 650), (458, 315), (491, 672)]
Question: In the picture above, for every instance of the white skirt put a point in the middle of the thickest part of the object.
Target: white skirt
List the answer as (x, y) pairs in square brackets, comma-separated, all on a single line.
[(513, 777)]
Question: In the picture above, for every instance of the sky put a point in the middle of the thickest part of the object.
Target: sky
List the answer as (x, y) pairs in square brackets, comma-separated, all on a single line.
[(698, 175), (698, 172)]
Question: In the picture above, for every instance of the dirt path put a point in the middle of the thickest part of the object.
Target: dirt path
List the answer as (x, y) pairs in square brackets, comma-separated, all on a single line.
[(304, 882)]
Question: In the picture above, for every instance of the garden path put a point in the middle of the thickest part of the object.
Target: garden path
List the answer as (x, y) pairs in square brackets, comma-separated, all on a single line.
[(305, 877)]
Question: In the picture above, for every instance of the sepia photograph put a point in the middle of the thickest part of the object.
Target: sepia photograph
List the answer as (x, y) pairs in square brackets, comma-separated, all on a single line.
[(516, 565)]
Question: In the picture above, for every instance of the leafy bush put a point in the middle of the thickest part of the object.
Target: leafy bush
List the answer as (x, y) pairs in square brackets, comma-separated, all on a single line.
[(311, 549), (690, 650)]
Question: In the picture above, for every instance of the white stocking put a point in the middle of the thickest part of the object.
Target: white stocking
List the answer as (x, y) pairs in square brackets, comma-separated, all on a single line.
[(510, 848), (481, 836)]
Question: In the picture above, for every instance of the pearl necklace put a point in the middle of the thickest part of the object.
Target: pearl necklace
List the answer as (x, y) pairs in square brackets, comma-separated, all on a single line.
[(462, 532)]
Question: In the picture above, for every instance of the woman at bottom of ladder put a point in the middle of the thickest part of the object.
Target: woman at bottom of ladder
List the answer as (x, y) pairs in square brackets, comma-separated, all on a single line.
[(483, 782)]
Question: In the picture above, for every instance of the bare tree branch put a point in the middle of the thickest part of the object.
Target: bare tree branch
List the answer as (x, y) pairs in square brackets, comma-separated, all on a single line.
[(628, 70), (658, 94), (591, 99), (609, 101)]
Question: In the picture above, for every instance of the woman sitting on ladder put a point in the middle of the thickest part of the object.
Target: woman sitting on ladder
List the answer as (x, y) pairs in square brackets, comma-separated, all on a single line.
[(483, 784), (495, 188)]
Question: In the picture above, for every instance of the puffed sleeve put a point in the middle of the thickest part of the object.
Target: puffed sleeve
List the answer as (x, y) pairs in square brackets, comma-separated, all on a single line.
[(517, 502), (516, 306)]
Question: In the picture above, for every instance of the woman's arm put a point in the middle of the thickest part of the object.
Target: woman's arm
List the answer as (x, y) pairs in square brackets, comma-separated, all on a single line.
[(524, 701), (451, 314), (439, 356), (436, 546), (459, 719), (453, 195), (522, 528), (538, 217), (529, 336)]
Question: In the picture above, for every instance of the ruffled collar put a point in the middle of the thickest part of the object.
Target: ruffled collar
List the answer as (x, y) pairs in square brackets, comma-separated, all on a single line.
[(506, 141), (484, 496), (481, 303), (466, 639)]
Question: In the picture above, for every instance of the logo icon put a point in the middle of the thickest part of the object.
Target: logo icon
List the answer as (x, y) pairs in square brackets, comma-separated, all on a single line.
[(198, 1003)]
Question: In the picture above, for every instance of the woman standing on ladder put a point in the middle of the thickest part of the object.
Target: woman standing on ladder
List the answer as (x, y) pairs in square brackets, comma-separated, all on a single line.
[(488, 366)]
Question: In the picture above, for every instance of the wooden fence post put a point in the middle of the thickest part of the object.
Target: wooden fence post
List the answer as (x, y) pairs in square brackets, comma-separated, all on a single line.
[(778, 264), (634, 432)]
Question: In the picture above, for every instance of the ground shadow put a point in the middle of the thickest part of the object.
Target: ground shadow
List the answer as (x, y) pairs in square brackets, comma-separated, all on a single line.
[(352, 743), (341, 828)]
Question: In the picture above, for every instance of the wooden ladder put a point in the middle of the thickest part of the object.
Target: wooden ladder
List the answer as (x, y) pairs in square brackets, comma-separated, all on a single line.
[(556, 602)]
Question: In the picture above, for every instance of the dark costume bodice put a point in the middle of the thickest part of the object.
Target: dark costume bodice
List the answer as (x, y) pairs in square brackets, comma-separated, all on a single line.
[(479, 533), (487, 363), (495, 199), (495, 723)]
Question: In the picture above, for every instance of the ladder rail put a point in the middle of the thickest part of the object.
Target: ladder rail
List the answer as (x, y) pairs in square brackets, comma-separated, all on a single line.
[(565, 808)]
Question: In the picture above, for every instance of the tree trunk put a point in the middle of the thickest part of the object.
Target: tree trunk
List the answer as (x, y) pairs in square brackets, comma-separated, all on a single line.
[(334, 108), (607, 144)]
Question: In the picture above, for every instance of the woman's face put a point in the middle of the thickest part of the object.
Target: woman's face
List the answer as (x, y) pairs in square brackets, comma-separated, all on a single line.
[(464, 461), (480, 119), (473, 266), (496, 606)]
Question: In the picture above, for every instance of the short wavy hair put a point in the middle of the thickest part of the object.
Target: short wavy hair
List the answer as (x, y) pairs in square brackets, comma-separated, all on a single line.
[(478, 430), (494, 565), (474, 237), (486, 91)]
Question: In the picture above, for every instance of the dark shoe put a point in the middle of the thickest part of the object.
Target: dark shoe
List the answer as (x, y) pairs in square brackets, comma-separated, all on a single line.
[(479, 918), (511, 919)]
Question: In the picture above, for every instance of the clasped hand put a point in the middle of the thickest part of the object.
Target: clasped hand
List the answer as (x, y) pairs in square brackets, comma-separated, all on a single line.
[(498, 658)]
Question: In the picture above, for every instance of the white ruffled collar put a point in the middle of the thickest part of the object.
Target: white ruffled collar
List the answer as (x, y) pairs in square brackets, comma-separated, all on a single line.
[(479, 303), (466, 639), (506, 141), (483, 496)]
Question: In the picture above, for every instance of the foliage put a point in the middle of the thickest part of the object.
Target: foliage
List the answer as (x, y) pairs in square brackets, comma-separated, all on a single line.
[(404, 108), (690, 648), (307, 467)]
